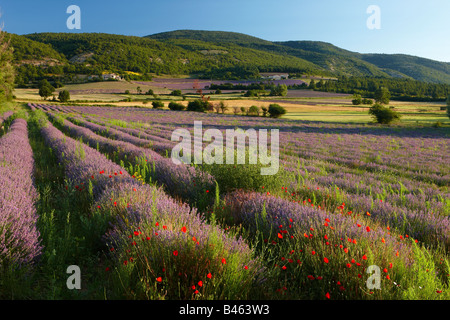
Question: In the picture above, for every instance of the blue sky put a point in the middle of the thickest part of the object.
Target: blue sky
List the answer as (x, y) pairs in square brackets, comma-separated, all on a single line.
[(415, 27)]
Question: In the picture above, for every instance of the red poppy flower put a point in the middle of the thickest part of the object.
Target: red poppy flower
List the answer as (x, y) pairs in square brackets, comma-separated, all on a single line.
[(364, 257), (200, 283), (327, 295), (183, 229), (159, 279), (325, 260), (209, 275), (224, 261), (175, 253)]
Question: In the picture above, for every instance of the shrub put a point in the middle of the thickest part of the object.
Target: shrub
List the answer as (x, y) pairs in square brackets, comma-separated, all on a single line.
[(279, 90), (254, 110), (367, 101), (264, 111), (448, 106), (177, 93), (64, 96), (176, 106), (357, 100), (157, 104), (382, 95), (276, 111), (383, 114), (198, 105)]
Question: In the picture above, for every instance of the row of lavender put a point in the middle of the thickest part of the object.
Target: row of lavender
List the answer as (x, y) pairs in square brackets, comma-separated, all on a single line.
[(19, 238), (257, 210), (410, 212), (136, 207), (183, 181), (418, 154)]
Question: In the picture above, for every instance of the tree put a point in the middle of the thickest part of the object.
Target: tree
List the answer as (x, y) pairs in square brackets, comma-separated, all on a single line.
[(448, 106), (382, 95), (254, 110), (177, 93), (157, 104), (312, 84), (276, 111), (45, 89), (279, 90), (265, 111), (382, 114), (174, 106), (357, 99), (223, 107), (139, 90), (7, 72), (198, 105), (64, 96)]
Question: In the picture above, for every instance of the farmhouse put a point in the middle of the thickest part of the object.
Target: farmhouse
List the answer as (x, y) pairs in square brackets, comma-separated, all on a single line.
[(108, 76), (274, 76)]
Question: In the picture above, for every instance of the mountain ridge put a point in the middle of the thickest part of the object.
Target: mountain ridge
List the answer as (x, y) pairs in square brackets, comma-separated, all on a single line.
[(215, 54)]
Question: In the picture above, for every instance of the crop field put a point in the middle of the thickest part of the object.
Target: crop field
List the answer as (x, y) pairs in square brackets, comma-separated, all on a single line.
[(354, 211)]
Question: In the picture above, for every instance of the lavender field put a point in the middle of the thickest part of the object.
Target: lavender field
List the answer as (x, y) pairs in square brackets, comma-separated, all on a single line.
[(355, 211)]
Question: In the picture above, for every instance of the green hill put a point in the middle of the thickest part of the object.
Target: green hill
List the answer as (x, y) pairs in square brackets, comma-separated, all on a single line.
[(207, 54), (325, 56)]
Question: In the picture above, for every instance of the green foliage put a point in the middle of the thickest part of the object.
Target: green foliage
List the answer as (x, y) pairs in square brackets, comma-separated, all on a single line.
[(176, 106), (158, 104), (400, 89), (357, 99), (382, 95), (7, 73), (383, 114), (279, 90), (64, 96), (45, 89), (264, 111), (198, 105), (207, 54), (276, 111), (245, 176), (254, 110), (176, 93), (448, 106)]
